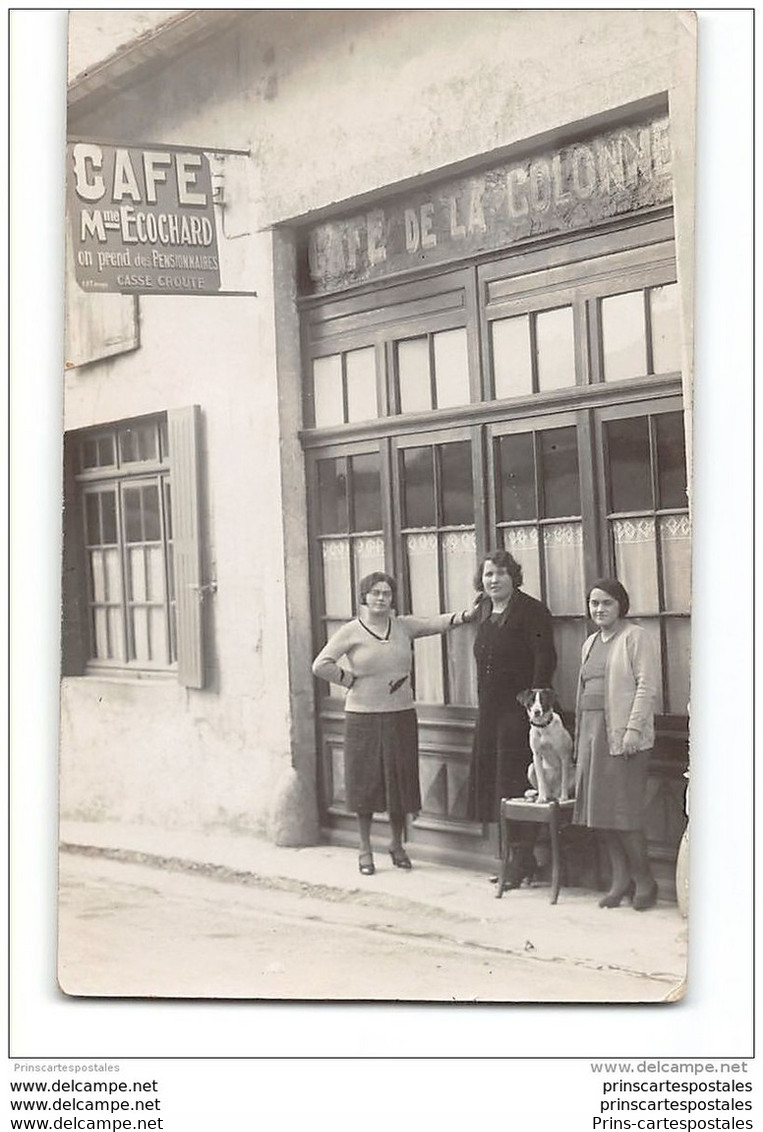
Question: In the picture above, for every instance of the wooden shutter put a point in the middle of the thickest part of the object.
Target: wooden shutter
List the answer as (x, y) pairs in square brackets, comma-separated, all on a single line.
[(96, 325), (183, 427)]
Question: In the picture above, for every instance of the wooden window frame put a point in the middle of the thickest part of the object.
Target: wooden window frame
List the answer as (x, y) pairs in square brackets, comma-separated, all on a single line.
[(177, 467)]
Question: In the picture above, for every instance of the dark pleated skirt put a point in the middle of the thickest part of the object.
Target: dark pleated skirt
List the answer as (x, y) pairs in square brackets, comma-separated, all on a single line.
[(610, 790), (381, 762)]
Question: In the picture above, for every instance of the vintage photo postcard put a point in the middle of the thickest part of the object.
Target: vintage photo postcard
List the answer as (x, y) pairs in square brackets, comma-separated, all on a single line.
[(377, 507)]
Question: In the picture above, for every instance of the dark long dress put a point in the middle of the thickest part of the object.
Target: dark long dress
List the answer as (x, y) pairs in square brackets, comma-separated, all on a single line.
[(513, 651)]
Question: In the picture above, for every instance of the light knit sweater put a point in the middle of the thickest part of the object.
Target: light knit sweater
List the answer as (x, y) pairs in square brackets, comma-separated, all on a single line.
[(378, 671), (630, 686)]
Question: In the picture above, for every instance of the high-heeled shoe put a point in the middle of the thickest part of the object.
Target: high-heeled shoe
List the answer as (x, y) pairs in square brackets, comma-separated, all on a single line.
[(366, 864), (400, 859), (643, 900), (615, 896)]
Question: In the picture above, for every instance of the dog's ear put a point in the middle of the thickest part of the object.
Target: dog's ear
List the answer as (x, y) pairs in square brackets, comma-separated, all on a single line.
[(525, 698)]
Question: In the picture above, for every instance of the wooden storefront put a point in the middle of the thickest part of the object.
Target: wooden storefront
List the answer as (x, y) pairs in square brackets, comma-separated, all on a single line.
[(494, 360)]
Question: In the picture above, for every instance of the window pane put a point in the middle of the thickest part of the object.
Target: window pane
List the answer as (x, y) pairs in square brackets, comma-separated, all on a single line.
[(666, 344), (561, 481), (522, 545), (97, 576), (137, 573), (116, 634), (563, 554), (636, 562), (361, 384), (100, 634), (89, 453), (671, 460), (157, 628), (413, 375), (113, 575), (366, 492), (327, 391), (675, 542), (459, 553), (140, 641), (337, 596), (512, 363), (92, 519), (132, 515), (154, 573), (516, 471), (97, 452), (108, 516), (168, 508), (678, 633), (138, 442), (555, 341), (151, 522), (332, 496), (456, 483), (421, 552), (368, 557), (451, 368), (418, 487), (630, 487), (623, 329)]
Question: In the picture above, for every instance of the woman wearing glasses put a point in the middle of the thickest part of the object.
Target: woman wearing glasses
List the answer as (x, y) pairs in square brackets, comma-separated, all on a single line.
[(381, 735)]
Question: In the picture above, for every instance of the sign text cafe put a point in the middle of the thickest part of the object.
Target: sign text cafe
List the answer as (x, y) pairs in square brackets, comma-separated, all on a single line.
[(142, 219)]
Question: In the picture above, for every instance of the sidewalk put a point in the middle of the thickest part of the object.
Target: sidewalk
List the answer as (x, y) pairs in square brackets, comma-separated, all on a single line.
[(459, 904)]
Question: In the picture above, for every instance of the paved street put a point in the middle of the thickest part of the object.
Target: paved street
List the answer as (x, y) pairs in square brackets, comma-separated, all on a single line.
[(137, 930)]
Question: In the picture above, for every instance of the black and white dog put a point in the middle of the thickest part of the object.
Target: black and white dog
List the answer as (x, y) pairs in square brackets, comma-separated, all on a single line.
[(550, 772)]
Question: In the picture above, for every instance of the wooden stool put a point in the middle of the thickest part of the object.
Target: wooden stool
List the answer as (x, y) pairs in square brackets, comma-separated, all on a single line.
[(556, 815)]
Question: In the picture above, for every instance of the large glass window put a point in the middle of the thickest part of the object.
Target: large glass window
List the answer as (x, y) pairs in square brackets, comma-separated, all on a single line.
[(127, 523), (648, 520), (533, 353), (349, 532), (344, 387), (440, 549), (640, 333), (433, 371), (539, 520)]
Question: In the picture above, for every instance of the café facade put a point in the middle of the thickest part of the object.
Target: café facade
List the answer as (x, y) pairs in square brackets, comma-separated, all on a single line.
[(439, 301)]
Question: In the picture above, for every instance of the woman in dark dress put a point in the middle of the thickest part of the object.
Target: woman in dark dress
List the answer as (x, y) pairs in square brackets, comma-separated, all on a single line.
[(514, 650)]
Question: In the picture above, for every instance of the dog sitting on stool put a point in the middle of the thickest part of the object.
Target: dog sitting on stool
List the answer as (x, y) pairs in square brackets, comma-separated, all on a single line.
[(550, 773)]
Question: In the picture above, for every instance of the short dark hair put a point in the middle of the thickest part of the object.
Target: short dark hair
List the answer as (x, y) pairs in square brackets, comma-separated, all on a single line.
[(370, 580), (504, 561), (615, 589)]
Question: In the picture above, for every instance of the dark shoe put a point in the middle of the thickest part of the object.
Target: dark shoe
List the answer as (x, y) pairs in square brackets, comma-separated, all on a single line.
[(646, 899), (366, 864), (615, 896), (400, 859), (519, 869)]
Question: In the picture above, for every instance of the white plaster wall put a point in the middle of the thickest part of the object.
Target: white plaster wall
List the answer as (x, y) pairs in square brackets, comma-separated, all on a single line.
[(154, 751)]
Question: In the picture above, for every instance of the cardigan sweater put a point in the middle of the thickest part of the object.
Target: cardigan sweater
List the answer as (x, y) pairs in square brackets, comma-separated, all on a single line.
[(630, 686)]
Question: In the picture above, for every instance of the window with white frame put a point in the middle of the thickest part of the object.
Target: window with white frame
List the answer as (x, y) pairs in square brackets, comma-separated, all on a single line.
[(133, 511)]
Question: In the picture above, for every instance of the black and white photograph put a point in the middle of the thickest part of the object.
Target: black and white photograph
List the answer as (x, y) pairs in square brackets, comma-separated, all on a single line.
[(396, 404), (376, 576)]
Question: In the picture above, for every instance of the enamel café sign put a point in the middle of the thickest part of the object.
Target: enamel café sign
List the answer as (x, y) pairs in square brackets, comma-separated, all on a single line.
[(142, 219)]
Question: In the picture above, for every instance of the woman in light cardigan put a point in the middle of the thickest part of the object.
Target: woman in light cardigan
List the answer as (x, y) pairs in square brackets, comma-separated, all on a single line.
[(614, 738), (381, 753)]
